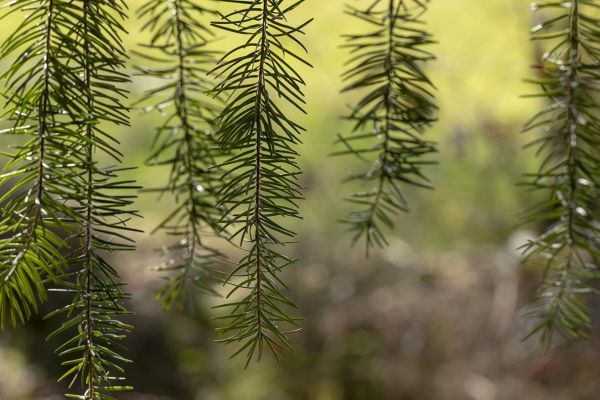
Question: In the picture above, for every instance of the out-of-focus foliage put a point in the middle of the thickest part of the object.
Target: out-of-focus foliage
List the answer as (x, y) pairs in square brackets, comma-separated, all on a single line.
[(176, 55), (569, 174), (389, 120)]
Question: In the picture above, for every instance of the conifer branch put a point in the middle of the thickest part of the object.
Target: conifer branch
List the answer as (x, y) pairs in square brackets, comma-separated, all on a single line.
[(185, 142), (35, 176), (570, 146), (259, 76), (396, 106), (93, 319)]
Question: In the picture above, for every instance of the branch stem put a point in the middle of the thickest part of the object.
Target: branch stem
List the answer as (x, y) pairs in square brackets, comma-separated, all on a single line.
[(89, 247), (257, 194)]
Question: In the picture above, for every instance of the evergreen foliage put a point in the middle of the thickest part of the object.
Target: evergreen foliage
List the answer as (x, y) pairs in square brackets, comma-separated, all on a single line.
[(93, 319), (230, 141), (261, 190), (389, 119), (569, 174), (185, 142), (66, 211), (35, 180)]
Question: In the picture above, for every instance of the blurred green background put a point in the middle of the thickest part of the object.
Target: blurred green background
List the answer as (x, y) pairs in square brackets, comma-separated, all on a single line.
[(436, 316)]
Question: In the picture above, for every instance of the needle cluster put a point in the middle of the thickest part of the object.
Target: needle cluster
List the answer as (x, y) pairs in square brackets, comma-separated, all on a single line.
[(178, 56), (64, 211), (568, 77), (395, 107), (263, 87)]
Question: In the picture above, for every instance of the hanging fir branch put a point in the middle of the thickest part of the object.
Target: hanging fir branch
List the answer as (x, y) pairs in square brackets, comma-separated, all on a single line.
[(185, 142), (262, 85), (569, 78), (395, 108), (93, 319), (35, 179)]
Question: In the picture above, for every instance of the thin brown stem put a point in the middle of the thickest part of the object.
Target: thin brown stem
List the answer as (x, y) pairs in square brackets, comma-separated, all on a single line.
[(257, 194)]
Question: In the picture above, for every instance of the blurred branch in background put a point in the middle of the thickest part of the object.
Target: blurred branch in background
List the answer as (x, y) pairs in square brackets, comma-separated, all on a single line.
[(178, 58), (395, 108), (568, 251)]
